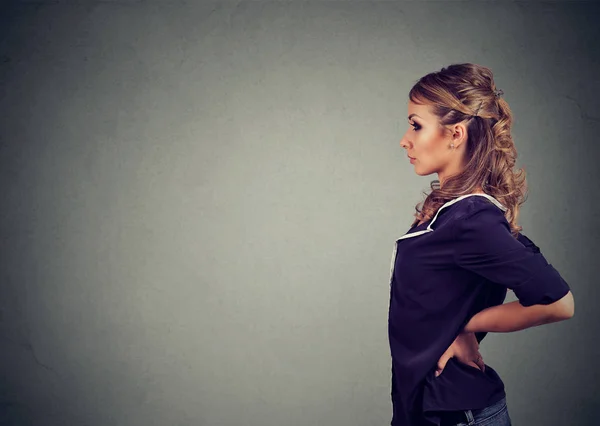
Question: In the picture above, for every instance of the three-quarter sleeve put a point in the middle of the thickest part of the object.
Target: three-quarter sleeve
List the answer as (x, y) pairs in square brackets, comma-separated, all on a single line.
[(485, 246)]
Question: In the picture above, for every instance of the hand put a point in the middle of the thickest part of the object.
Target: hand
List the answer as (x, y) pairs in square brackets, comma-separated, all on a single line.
[(465, 349)]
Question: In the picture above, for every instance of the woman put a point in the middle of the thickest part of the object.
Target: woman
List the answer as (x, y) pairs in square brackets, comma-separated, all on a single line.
[(450, 272)]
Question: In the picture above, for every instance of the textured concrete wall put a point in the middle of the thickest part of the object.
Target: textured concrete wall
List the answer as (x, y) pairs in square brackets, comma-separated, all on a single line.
[(200, 201)]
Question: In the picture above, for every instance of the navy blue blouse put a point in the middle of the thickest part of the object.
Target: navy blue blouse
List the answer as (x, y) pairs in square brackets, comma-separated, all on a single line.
[(440, 277)]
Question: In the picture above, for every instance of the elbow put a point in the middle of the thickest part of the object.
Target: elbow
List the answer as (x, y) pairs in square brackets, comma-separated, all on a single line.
[(565, 307)]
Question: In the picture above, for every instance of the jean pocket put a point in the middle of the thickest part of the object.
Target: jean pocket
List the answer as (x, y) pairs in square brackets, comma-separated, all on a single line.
[(493, 415)]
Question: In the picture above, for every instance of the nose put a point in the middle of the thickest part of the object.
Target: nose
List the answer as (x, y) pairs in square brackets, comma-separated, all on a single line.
[(404, 142)]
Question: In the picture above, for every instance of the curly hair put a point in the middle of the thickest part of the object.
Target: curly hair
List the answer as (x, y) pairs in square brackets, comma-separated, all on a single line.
[(467, 92)]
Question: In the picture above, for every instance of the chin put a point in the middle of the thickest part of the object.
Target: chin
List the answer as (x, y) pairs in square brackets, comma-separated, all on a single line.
[(424, 172)]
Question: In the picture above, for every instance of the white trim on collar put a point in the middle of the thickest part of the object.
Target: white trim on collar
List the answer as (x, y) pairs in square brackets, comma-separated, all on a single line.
[(449, 203), (429, 229)]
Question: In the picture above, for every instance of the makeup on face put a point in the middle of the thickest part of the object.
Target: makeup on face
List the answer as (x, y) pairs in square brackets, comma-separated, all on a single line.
[(423, 140)]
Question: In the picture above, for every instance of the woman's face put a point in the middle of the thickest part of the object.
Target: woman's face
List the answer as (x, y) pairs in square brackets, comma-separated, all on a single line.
[(428, 145)]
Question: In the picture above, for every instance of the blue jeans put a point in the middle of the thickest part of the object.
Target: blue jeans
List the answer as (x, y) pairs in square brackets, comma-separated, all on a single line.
[(492, 415)]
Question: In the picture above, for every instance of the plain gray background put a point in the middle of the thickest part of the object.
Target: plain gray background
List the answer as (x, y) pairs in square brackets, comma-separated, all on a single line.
[(200, 202)]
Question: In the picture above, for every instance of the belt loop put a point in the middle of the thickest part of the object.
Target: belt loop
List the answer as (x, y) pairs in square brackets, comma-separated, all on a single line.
[(470, 418)]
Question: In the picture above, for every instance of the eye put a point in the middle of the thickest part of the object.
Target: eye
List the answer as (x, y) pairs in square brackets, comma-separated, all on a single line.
[(415, 126)]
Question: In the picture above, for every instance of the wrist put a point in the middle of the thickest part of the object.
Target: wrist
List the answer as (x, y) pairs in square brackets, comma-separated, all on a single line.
[(469, 327)]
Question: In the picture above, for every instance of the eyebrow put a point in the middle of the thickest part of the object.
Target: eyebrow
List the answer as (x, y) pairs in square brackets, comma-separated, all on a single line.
[(413, 115)]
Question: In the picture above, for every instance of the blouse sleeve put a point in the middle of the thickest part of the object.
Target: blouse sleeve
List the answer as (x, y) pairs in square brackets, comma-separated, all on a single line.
[(485, 246)]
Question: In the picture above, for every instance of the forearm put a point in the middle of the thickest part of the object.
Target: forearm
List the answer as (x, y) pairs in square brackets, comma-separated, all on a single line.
[(513, 316)]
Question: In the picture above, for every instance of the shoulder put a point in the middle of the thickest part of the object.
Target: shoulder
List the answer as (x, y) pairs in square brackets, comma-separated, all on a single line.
[(467, 206), (481, 216), (478, 206)]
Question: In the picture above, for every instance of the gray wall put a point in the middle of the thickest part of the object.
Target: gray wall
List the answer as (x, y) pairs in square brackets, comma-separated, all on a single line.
[(200, 202)]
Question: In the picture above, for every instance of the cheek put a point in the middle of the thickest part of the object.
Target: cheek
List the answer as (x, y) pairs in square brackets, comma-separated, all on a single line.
[(428, 147)]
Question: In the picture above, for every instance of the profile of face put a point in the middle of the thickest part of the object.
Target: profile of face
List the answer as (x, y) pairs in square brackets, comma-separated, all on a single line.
[(429, 145)]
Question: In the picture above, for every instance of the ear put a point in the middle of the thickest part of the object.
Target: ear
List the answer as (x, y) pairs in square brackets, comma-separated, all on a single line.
[(458, 134)]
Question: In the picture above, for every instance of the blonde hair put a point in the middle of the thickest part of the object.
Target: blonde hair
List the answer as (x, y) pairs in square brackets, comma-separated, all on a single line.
[(468, 92)]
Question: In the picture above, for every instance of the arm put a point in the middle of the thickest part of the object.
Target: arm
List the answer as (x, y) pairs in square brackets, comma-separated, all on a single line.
[(502, 319), (485, 246), (514, 317)]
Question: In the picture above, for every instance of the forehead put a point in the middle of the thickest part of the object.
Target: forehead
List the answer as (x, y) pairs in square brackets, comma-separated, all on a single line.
[(422, 110)]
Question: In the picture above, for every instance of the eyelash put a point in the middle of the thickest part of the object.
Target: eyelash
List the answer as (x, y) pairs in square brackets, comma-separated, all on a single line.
[(416, 127)]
